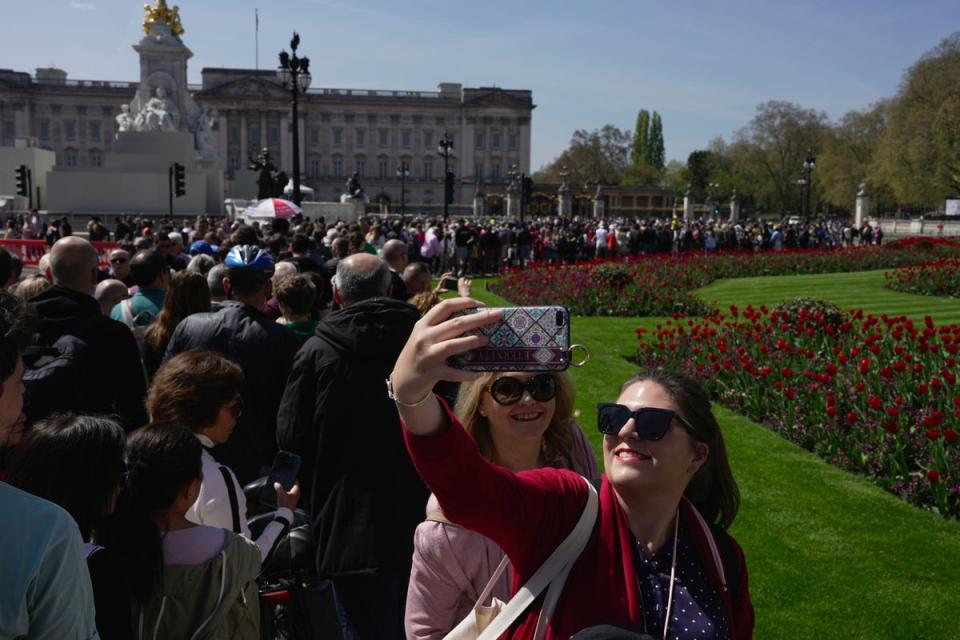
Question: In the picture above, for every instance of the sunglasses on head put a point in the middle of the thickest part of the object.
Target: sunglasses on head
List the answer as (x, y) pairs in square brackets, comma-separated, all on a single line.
[(651, 423), (507, 390)]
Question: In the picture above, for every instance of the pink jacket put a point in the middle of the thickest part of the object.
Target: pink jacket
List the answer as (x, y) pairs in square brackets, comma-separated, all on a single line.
[(452, 565)]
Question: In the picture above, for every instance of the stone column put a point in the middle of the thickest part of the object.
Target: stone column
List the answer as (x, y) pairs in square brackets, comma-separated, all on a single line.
[(688, 204), (862, 211), (598, 208), (565, 199), (734, 208), (479, 205)]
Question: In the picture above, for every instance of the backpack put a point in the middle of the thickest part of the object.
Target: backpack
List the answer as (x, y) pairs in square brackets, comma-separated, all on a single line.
[(137, 323), (55, 375)]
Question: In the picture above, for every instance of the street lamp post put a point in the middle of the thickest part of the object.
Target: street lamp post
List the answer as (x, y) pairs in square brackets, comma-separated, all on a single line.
[(444, 148), (403, 171), (294, 75), (809, 164)]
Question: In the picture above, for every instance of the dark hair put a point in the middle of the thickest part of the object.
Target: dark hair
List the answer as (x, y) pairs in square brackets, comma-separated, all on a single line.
[(6, 265), (162, 459), (300, 243), (277, 243), (188, 294), (712, 490), (191, 387), (16, 329), (74, 461), (244, 234), (146, 266), (298, 292)]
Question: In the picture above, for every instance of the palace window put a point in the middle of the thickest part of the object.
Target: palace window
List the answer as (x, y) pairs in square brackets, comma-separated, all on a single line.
[(274, 135), (337, 167), (313, 167), (384, 137), (428, 140), (44, 129), (361, 167), (512, 141), (383, 167), (338, 136), (428, 168), (478, 141), (478, 171), (495, 170), (234, 163), (255, 135), (70, 129), (405, 138), (361, 137), (95, 131), (314, 136), (233, 135), (70, 157), (495, 140), (96, 158), (11, 128)]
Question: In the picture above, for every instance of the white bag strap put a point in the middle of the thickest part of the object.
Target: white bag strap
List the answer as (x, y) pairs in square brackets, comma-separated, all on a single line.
[(487, 590), (555, 567)]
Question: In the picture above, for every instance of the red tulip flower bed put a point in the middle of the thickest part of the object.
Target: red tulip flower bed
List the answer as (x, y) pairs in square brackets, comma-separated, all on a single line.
[(876, 395), (661, 285), (936, 278)]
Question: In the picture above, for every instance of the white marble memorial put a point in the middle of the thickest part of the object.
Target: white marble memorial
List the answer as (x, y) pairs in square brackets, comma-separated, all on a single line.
[(161, 125)]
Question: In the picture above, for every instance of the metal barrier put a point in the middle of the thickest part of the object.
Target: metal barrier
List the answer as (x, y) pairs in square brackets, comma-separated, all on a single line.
[(30, 251)]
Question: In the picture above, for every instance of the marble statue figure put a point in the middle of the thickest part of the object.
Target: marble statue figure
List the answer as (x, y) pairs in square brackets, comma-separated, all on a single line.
[(159, 114), (124, 120)]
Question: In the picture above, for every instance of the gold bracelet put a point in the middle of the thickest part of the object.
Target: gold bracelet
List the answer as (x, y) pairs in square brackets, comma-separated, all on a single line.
[(393, 396)]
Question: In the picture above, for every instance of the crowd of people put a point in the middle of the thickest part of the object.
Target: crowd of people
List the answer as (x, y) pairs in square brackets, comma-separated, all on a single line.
[(141, 393)]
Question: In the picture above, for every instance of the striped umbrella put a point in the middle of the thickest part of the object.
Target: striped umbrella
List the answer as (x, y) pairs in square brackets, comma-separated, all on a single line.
[(272, 208)]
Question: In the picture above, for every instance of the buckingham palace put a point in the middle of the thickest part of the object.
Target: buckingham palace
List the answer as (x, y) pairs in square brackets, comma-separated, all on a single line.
[(374, 133)]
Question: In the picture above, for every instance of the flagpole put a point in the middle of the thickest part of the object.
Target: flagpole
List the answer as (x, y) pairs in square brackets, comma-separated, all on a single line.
[(256, 38)]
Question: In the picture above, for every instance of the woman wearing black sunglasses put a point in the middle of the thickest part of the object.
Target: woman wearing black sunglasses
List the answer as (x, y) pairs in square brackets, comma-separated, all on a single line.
[(519, 421), (659, 560)]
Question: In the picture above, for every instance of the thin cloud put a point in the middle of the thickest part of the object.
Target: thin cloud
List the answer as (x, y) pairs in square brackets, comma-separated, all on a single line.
[(82, 6)]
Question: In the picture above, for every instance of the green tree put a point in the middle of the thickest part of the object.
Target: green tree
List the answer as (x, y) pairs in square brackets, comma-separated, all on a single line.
[(772, 149), (598, 155), (656, 154), (846, 158), (640, 150), (919, 152), (641, 175)]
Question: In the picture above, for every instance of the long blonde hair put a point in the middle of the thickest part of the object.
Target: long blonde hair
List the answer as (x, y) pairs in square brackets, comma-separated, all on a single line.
[(558, 438)]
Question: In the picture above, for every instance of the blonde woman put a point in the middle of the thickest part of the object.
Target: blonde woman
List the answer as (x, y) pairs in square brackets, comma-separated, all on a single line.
[(519, 421)]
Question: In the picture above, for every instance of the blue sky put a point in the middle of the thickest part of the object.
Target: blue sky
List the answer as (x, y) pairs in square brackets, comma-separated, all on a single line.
[(704, 66)]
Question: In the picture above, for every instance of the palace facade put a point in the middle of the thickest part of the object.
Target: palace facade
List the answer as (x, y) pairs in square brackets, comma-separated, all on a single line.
[(372, 132)]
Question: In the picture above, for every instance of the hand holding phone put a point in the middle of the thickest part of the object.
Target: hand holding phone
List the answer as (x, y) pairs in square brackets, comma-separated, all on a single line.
[(289, 499), (284, 472)]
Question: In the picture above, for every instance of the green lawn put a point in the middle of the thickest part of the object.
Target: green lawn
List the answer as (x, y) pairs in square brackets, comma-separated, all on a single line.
[(830, 555), (863, 290)]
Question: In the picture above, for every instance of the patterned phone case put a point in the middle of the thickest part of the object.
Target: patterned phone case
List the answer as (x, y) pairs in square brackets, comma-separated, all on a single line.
[(526, 339)]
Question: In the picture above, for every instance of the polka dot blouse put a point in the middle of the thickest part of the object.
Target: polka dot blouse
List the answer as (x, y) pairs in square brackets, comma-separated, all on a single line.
[(697, 612)]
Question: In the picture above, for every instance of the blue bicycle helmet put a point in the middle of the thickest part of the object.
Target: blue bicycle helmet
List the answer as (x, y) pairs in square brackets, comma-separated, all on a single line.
[(249, 256)]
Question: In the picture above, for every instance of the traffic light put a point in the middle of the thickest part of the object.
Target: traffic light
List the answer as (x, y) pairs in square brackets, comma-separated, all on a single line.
[(23, 183), (179, 181), (448, 188)]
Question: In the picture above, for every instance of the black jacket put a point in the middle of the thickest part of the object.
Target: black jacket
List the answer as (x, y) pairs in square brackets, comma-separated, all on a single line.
[(363, 494), (118, 386), (264, 350)]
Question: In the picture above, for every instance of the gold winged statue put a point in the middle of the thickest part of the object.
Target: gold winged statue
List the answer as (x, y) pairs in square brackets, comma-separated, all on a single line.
[(162, 14)]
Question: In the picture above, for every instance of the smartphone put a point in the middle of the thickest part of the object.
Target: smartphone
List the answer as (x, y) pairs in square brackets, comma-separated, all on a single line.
[(525, 339), (450, 284), (285, 468)]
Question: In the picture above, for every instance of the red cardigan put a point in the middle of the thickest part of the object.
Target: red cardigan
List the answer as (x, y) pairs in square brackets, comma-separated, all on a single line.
[(529, 513)]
